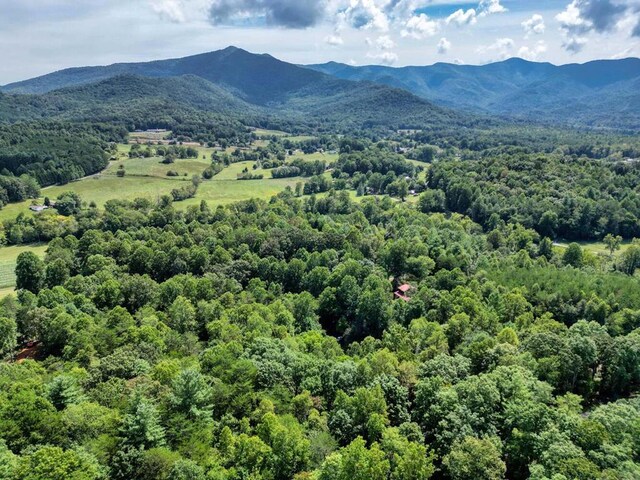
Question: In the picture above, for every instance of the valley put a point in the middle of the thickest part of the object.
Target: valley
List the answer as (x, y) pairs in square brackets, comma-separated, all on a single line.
[(226, 266)]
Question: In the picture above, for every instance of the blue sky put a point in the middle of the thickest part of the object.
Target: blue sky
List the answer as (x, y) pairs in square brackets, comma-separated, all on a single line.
[(40, 36)]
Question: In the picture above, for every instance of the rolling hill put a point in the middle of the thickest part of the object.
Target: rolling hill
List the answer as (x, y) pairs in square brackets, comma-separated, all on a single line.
[(599, 94)]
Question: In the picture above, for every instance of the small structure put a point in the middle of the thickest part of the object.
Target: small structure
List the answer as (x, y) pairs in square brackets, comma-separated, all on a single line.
[(38, 208), (402, 292)]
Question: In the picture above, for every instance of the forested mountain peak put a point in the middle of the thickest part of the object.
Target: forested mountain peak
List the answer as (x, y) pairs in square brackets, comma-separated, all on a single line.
[(260, 78)]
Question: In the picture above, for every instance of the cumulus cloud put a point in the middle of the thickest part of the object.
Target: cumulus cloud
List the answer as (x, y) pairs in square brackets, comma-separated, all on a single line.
[(487, 7), (420, 26), (461, 17), (534, 25), (366, 15), (386, 58), (532, 53), (581, 17), (381, 52), (636, 30), (385, 43), (444, 46), (499, 50), (278, 13)]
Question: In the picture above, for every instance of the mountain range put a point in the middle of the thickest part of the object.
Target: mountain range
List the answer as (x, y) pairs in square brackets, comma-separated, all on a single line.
[(602, 93), (230, 81), (245, 86)]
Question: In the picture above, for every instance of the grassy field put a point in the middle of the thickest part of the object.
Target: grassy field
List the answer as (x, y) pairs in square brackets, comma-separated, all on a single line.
[(263, 132), (597, 248), (147, 177), (224, 188), (153, 167), (8, 259), (327, 157)]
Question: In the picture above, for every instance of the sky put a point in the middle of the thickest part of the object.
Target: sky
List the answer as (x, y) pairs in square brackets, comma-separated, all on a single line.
[(41, 36)]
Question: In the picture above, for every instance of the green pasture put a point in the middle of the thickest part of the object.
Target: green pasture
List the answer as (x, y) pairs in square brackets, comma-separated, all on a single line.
[(147, 177), (596, 248), (8, 260)]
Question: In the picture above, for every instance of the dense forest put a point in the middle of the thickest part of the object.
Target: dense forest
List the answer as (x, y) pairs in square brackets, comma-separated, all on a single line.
[(56, 152), (559, 196), (263, 340)]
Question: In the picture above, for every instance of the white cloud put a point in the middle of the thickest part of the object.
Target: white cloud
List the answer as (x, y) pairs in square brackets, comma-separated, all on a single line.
[(487, 7), (498, 50), (460, 17), (534, 25), (171, 10), (581, 17), (381, 50), (386, 58), (534, 52), (385, 43), (334, 40), (444, 46), (570, 18), (366, 15), (420, 26)]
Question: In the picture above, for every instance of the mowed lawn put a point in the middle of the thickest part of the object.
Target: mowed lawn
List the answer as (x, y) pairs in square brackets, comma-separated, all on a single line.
[(8, 260), (153, 167)]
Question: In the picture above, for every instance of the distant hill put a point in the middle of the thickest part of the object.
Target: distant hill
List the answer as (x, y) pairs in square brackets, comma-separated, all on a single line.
[(232, 82), (600, 94)]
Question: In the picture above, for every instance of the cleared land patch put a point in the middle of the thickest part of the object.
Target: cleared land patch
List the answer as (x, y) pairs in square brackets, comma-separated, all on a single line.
[(8, 260)]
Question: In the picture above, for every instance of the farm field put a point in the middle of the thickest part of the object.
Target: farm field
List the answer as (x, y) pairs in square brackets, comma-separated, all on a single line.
[(146, 177), (8, 259), (224, 188), (262, 132)]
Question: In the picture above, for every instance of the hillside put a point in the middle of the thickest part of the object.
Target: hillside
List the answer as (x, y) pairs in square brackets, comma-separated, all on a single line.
[(576, 94), (238, 84)]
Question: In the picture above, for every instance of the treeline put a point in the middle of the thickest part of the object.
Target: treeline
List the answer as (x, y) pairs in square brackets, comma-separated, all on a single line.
[(171, 151), (17, 189), (530, 137), (56, 153), (299, 167)]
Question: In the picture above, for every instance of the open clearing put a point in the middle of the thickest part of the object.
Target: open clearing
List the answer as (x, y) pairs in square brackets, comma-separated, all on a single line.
[(147, 177), (8, 259), (596, 248)]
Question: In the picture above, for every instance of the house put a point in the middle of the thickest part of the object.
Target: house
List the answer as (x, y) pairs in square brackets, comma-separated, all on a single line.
[(38, 208), (402, 292)]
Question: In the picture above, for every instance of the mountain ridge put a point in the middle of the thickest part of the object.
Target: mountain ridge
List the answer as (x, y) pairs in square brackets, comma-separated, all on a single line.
[(575, 95), (252, 84), (584, 94)]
